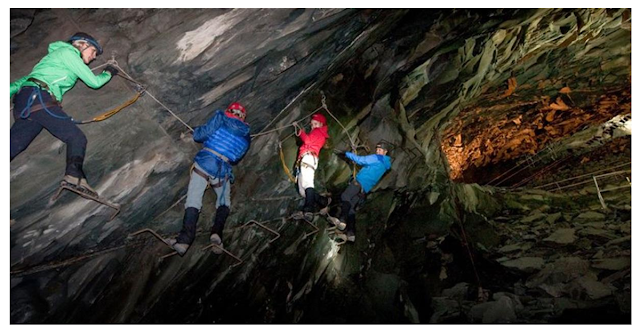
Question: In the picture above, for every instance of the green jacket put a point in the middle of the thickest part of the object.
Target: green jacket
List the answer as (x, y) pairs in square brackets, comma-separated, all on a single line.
[(60, 69)]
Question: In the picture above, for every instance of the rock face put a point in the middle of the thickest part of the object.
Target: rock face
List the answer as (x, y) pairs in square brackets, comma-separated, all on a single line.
[(526, 264), (407, 77), (562, 236)]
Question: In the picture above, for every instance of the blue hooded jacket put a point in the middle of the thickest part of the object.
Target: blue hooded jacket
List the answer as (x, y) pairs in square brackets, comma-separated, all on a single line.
[(374, 166), (227, 136)]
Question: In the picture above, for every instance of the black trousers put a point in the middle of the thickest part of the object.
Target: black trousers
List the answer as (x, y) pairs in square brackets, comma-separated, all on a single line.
[(24, 131), (351, 198)]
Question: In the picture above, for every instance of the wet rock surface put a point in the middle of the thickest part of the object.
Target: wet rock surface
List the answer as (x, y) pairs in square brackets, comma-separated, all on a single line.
[(427, 249)]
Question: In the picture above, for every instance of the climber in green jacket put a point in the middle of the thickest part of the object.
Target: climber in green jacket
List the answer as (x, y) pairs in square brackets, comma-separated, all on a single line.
[(37, 101)]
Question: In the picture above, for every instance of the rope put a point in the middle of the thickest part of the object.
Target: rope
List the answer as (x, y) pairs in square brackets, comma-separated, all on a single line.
[(542, 157), (151, 95), (579, 176), (353, 145), (26, 111), (286, 126), (542, 171), (516, 166), (286, 107), (460, 214), (586, 181), (284, 165), (324, 105), (113, 111)]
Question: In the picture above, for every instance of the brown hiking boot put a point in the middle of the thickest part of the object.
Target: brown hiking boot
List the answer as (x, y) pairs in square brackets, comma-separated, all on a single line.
[(337, 223), (217, 243), (80, 183), (181, 248)]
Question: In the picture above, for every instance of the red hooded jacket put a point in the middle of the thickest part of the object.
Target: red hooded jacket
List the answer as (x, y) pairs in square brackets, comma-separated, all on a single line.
[(313, 141)]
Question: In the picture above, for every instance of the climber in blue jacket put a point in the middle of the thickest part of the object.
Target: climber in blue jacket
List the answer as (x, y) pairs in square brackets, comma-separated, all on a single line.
[(226, 139), (374, 166)]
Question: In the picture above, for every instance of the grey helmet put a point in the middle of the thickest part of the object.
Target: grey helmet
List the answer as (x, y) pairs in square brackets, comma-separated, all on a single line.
[(384, 145), (80, 36)]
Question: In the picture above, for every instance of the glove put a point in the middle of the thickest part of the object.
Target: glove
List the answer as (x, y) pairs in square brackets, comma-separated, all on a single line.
[(112, 70), (296, 128), (338, 152)]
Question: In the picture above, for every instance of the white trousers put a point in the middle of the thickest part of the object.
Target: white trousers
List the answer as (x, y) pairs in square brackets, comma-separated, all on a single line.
[(308, 166)]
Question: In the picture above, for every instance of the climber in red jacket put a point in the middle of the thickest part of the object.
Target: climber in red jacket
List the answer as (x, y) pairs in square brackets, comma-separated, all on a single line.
[(307, 163)]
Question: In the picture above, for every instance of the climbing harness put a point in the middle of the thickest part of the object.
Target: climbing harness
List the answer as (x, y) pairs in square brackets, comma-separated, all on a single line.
[(106, 115), (64, 185), (294, 124), (224, 158), (40, 85), (29, 108), (206, 176), (284, 165), (140, 91)]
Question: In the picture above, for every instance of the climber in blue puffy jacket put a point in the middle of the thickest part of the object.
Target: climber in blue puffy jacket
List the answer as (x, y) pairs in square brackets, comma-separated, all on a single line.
[(226, 139), (374, 166)]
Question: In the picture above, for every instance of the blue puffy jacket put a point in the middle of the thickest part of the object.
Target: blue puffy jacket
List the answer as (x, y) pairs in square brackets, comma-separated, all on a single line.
[(374, 166), (227, 136)]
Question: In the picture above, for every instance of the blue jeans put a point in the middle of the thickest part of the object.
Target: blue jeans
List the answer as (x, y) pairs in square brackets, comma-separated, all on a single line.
[(197, 186)]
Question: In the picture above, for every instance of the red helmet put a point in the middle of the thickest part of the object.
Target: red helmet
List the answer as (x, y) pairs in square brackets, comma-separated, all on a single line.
[(236, 110), (319, 117)]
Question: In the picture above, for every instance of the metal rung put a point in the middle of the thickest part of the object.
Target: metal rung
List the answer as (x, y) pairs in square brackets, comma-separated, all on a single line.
[(147, 230), (264, 227), (604, 206), (157, 236), (97, 199), (161, 259), (342, 237), (616, 188), (614, 173), (315, 229), (210, 246)]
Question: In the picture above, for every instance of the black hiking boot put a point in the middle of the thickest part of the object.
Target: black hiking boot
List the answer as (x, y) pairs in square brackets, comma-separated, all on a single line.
[(218, 226), (188, 233), (325, 202), (351, 227), (310, 197)]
